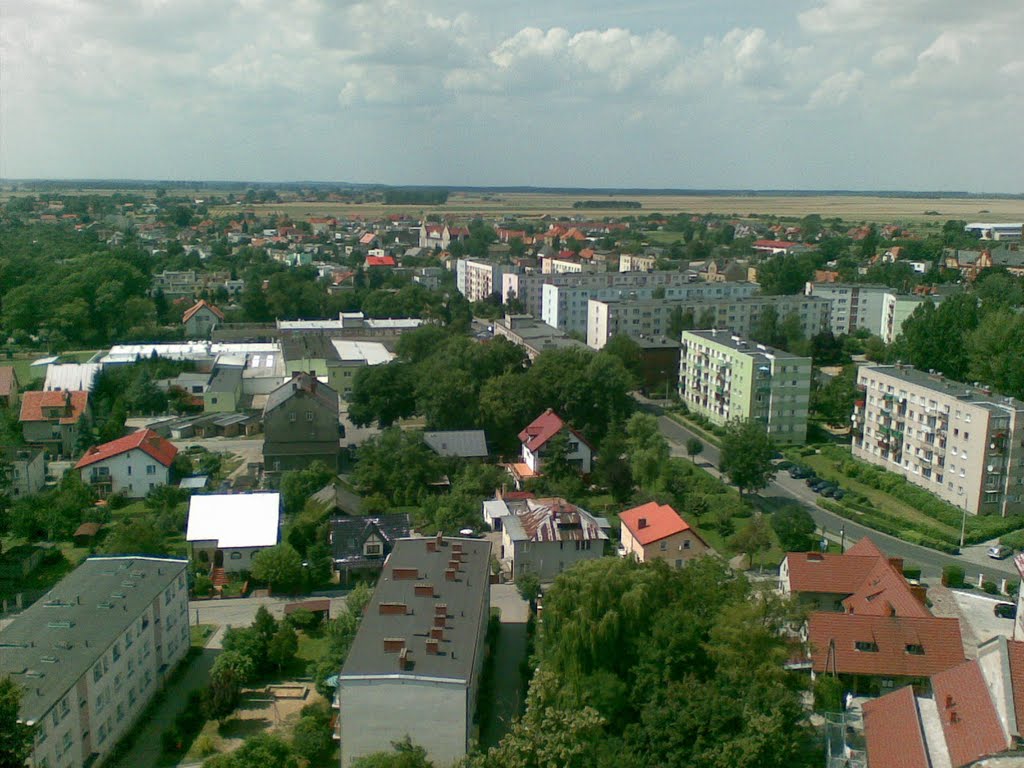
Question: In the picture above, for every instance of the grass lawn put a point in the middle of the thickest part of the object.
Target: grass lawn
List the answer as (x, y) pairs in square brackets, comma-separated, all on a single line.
[(825, 467), (47, 574), (312, 647), (200, 633)]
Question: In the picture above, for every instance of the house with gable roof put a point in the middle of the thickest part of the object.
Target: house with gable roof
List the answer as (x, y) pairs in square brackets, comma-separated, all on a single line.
[(9, 386), (548, 536), (200, 319), (364, 542), (52, 420), (536, 441), (134, 464), (300, 425), (655, 531)]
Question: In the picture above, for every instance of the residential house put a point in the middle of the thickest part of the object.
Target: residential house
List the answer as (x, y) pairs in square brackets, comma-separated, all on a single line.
[(463, 444), (364, 542), (548, 536), (536, 443), (200, 319), (300, 425), (879, 635), (336, 499), (52, 420), (91, 654), (226, 530), (976, 711), (9, 386), (655, 531), (415, 664), (224, 392), (27, 470), (133, 465)]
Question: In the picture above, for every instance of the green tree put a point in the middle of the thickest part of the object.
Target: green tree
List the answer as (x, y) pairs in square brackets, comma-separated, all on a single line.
[(283, 646), (396, 464), (647, 448), (405, 754), (311, 738), (753, 538), (794, 526), (298, 485), (15, 737), (629, 354), (528, 586), (229, 673), (260, 751), (694, 448), (137, 536), (280, 567), (746, 455)]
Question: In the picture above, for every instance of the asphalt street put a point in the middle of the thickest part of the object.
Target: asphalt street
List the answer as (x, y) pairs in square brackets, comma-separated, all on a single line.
[(929, 561)]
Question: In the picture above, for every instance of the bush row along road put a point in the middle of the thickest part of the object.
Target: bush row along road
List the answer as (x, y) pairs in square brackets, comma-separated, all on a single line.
[(930, 561)]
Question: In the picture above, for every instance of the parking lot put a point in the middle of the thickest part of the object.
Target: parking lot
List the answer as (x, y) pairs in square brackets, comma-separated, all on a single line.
[(977, 612)]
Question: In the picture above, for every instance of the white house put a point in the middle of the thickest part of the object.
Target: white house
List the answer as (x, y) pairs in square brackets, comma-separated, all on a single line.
[(133, 465), (536, 439), (200, 319), (228, 529)]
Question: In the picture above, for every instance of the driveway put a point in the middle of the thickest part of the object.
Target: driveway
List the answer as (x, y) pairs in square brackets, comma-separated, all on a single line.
[(240, 612), (509, 652)]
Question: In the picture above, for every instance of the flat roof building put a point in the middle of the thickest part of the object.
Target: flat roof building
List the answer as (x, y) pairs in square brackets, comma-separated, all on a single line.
[(90, 654), (414, 666), (960, 441), (725, 377)]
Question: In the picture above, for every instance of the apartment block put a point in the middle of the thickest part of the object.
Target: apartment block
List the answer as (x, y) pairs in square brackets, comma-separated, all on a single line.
[(875, 308), (723, 377), (478, 280), (91, 653), (960, 441), (528, 286), (566, 306), (414, 667), (652, 317)]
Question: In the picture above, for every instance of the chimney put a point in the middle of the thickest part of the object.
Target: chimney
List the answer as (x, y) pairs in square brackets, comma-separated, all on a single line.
[(432, 646), (897, 563), (642, 523), (456, 547), (449, 575), (431, 545), (403, 659), (437, 633), (393, 644), (454, 564), (954, 718), (392, 609), (439, 540), (440, 621), (440, 609), (949, 700), (405, 574), (424, 590)]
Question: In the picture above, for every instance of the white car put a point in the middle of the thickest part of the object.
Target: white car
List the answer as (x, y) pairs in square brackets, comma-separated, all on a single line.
[(999, 552)]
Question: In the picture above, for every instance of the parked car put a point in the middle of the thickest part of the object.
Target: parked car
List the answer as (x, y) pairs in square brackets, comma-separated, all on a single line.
[(814, 480), (829, 491), (839, 494), (1005, 610), (999, 552), (784, 464), (797, 472)]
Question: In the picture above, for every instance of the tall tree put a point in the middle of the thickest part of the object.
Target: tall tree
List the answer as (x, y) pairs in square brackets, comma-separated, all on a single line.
[(15, 737), (746, 455)]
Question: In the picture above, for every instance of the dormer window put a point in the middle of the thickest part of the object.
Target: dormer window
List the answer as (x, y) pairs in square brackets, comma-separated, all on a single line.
[(915, 649), (867, 646)]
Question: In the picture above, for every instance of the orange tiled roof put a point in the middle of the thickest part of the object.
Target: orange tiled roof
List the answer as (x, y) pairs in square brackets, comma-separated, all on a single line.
[(33, 403), (892, 730), (969, 719), (199, 305), (145, 440), (660, 521)]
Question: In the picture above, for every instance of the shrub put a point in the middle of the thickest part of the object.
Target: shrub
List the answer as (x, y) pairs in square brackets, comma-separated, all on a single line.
[(171, 740), (953, 576), (990, 587), (912, 574), (202, 586), (205, 745), (304, 620), (828, 694)]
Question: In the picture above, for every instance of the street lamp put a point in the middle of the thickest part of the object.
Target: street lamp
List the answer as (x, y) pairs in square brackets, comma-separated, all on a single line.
[(963, 521)]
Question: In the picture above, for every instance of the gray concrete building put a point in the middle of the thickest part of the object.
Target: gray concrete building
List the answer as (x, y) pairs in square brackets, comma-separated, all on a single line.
[(960, 441), (414, 667), (93, 651)]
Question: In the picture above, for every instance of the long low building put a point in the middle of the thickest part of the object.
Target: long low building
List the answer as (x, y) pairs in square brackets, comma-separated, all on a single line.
[(414, 666), (653, 317), (93, 651), (961, 442)]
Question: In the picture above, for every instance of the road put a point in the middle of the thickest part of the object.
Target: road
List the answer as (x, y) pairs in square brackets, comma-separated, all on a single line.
[(240, 612), (929, 561)]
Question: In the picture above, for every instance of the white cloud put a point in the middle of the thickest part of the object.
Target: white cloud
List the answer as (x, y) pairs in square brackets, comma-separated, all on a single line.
[(836, 89)]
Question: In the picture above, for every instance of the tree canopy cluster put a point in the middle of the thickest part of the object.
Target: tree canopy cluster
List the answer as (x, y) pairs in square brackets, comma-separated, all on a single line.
[(643, 665)]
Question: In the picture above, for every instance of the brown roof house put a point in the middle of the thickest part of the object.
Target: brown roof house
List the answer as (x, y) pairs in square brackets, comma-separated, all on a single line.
[(200, 319), (52, 420), (655, 531), (548, 536)]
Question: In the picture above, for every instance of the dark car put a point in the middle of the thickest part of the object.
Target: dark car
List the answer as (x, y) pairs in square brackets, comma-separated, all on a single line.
[(798, 472), (839, 494), (829, 491), (813, 480), (1005, 610)]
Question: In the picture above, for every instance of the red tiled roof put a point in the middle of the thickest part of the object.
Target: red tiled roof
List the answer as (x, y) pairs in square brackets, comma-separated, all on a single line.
[(892, 730), (380, 261), (1016, 650), (969, 718), (33, 403), (832, 573), (199, 305), (773, 244), (145, 440), (884, 593), (7, 387), (938, 638), (865, 548), (543, 428), (368, 238), (660, 521)]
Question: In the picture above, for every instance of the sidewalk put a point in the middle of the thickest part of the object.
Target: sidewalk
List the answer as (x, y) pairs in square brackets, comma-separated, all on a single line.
[(147, 747)]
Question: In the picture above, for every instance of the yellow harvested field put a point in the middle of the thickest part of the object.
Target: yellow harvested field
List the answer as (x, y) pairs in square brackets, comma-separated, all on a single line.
[(527, 204)]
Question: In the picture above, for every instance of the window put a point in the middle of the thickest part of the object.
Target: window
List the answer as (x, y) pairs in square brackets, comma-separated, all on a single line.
[(372, 549), (664, 546), (236, 555), (309, 415), (291, 417), (129, 469), (915, 649), (686, 544), (867, 646)]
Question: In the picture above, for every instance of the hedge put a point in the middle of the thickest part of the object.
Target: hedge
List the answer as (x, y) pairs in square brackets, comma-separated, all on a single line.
[(890, 525)]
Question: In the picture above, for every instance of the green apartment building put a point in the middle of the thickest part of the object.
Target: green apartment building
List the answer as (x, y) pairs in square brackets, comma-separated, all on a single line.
[(724, 377)]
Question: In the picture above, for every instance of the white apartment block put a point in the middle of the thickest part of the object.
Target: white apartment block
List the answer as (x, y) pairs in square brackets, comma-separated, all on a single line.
[(634, 262), (874, 308), (527, 286), (90, 654), (961, 442), (478, 280), (991, 231), (566, 306), (652, 317), (724, 377)]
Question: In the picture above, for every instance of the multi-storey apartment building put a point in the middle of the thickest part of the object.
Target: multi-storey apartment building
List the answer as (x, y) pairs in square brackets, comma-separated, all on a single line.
[(874, 308), (527, 286), (414, 667), (565, 306), (91, 653), (723, 377), (961, 442), (478, 280), (652, 317)]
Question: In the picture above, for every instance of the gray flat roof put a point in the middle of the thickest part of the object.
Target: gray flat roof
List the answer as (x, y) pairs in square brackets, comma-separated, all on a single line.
[(465, 599), (963, 391), (465, 443), (48, 647), (745, 346)]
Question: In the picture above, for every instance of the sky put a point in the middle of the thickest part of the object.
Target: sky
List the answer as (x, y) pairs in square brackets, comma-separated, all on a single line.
[(692, 94)]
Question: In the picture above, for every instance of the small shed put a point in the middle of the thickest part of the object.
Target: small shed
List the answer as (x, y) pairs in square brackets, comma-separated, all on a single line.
[(86, 534)]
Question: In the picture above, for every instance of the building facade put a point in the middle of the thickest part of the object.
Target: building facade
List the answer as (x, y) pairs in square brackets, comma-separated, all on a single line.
[(961, 442), (414, 666), (91, 654), (655, 531), (548, 536), (854, 306), (653, 317), (52, 420), (301, 425), (478, 280), (27, 470), (723, 377), (133, 465)]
